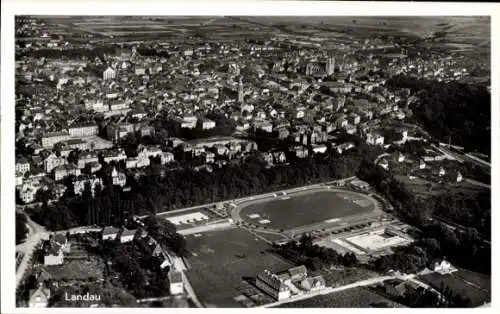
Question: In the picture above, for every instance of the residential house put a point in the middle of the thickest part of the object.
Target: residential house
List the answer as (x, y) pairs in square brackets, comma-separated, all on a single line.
[(29, 189), (80, 183), (61, 240), (400, 157), (109, 233), (73, 144), (242, 125), (442, 172), (443, 267), (374, 139), (63, 171), (384, 163), (22, 165), (127, 235), (54, 255), (351, 129), (313, 283), (86, 158), (118, 178), (114, 155), (298, 273), (187, 122), (207, 124), (279, 157), (167, 157), (109, 74), (19, 178), (300, 151), (268, 158), (39, 298), (354, 119), (176, 282), (283, 133), (263, 125), (209, 157), (319, 148), (94, 166), (59, 190), (221, 149)]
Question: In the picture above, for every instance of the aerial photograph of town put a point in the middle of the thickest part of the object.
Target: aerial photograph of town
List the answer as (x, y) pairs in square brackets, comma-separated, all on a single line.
[(252, 161)]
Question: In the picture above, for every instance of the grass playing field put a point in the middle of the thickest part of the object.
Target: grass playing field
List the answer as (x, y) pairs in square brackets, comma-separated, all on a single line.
[(223, 262), (304, 209)]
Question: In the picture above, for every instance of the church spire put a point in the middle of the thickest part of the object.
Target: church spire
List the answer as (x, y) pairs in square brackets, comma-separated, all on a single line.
[(240, 91)]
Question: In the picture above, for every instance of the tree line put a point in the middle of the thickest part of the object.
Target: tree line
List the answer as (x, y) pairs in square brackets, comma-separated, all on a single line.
[(434, 240), (313, 256), (451, 110)]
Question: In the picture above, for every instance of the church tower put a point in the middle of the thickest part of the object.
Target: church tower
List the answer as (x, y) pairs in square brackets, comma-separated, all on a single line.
[(330, 65), (240, 91)]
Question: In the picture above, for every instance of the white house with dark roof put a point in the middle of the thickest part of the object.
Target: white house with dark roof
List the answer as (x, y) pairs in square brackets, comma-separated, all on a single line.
[(39, 298), (109, 233), (313, 283), (176, 282), (127, 235)]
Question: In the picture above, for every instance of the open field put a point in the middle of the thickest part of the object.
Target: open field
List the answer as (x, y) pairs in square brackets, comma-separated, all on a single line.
[(420, 186), (341, 276), (356, 297), (476, 294), (302, 209), (474, 278), (222, 264), (91, 268)]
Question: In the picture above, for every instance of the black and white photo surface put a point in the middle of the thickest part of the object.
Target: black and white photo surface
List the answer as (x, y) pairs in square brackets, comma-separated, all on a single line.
[(237, 161)]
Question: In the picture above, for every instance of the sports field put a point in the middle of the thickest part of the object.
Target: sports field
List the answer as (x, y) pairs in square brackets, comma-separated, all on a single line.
[(223, 264), (306, 208)]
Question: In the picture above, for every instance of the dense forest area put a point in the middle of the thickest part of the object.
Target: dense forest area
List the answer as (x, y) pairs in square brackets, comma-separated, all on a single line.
[(466, 248), (315, 257), (21, 228), (180, 188), (451, 110)]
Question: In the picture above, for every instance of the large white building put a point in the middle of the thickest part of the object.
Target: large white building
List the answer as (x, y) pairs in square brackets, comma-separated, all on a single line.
[(22, 165), (83, 130), (50, 139), (109, 74), (273, 285)]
